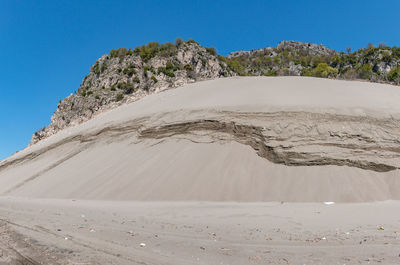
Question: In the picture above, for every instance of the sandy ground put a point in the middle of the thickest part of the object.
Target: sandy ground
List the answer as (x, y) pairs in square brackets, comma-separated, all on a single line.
[(228, 171), (111, 232)]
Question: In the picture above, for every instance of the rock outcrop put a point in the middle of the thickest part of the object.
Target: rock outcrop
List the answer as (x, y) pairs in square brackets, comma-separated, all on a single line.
[(127, 75)]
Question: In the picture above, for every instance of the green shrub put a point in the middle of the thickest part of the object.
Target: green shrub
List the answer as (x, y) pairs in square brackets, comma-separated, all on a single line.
[(396, 52), (386, 56), (136, 79), (96, 68), (154, 79), (178, 42), (165, 71), (112, 88), (191, 41), (394, 74), (129, 71), (119, 97), (236, 66), (121, 52), (284, 71), (188, 67), (271, 73), (148, 68), (146, 52), (212, 51), (103, 67), (89, 93), (315, 61), (128, 88), (83, 93), (276, 60), (97, 96), (365, 71), (222, 58), (306, 72), (170, 66), (167, 49), (324, 70)]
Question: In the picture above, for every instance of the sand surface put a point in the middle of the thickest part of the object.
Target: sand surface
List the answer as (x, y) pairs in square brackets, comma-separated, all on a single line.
[(43, 231), (235, 139), (228, 171)]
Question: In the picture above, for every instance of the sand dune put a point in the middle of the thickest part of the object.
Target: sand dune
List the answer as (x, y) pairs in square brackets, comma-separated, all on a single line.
[(190, 176), (236, 139)]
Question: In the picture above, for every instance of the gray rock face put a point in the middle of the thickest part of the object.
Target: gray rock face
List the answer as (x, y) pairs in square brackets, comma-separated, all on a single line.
[(267, 50), (310, 48), (115, 80)]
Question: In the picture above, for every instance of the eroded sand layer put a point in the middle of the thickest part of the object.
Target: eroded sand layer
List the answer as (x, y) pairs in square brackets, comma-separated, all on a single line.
[(236, 139)]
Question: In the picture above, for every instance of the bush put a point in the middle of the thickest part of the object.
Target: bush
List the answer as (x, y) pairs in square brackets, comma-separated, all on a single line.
[(96, 68), (148, 68), (365, 71), (271, 73), (284, 71), (188, 67), (191, 41), (349, 74), (119, 97), (136, 79), (165, 71), (103, 67), (315, 61), (324, 70), (236, 66), (83, 93), (129, 71), (154, 79), (170, 66), (212, 51), (178, 42), (167, 49), (306, 72), (146, 52), (121, 53), (394, 74), (128, 88)]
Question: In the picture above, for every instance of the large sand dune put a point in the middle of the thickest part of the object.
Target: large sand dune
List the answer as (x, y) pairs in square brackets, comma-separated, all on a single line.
[(235, 139), (82, 195)]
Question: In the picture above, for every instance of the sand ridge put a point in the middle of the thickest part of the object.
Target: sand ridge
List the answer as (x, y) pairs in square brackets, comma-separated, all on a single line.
[(234, 139)]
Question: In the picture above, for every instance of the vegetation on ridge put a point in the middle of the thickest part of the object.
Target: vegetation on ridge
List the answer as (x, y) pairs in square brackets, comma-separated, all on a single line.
[(124, 73), (375, 64)]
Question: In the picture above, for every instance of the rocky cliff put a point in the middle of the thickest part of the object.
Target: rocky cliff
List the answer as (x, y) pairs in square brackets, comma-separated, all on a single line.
[(127, 75)]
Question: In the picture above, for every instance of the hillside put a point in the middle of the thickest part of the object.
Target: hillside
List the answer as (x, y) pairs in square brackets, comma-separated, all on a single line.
[(125, 75), (376, 64)]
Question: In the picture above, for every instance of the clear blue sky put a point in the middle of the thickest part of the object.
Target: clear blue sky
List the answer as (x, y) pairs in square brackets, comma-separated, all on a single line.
[(47, 47)]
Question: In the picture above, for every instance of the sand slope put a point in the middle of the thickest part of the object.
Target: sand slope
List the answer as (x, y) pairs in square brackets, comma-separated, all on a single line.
[(235, 139)]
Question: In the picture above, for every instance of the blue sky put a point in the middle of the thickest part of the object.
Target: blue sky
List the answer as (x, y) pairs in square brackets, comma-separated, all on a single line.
[(47, 47)]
